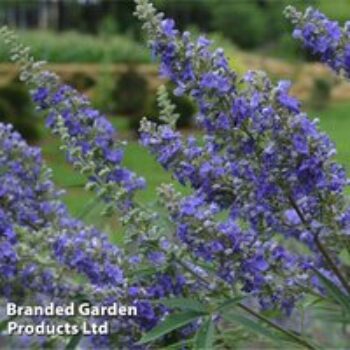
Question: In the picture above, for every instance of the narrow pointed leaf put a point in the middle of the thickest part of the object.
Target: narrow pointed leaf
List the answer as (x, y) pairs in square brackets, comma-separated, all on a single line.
[(178, 345), (184, 304), (3, 324), (171, 323), (250, 325), (335, 319), (230, 302), (205, 336), (255, 327), (335, 292), (73, 342)]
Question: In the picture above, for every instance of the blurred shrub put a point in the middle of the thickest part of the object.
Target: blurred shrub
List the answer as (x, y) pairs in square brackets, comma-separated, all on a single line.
[(103, 91), (16, 108), (81, 81), (287, 48), (131, 93), (251, 24), (74, 47), (320, 94), (183, 106), (242, 22), (188, 13), (132, 98), (108, 26)]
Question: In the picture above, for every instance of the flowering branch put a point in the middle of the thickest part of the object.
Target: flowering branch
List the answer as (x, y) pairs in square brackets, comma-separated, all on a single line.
[(258, 143), (323, 37)]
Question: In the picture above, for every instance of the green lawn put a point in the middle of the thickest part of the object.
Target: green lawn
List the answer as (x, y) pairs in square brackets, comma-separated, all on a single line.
[(334, 120)]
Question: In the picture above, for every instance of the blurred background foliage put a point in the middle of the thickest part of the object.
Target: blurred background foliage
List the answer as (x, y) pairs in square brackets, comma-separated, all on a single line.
[(72, 46), (98, 47), (249, 24)]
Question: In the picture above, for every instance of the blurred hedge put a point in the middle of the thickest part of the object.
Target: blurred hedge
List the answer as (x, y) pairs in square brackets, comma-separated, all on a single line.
[(131, 93), (72, 47), (16, 108)]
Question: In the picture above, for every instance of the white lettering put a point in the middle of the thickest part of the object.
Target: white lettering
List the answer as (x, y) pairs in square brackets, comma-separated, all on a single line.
[(84, 309), (11, 309), (11, 327), (132, 311)]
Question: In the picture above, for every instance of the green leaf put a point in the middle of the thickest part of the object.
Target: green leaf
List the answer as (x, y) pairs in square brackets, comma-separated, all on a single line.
[(184, 304), (206, 266), (313, 302), (250, 325), (145, 272), (73, 342), (344, 256), (335, 319), (334, 292), (257, 328), (205, 336), (4, 323), (230, 302), (233, 336), (178, 345), (173, 322)]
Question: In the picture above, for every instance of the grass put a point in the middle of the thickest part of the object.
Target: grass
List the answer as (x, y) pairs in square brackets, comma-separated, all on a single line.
[(335, 121)]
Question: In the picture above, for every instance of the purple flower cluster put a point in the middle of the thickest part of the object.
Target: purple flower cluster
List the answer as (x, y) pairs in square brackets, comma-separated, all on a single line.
[(164, 285), (261, 160), (239, 257), (90, 139), (90, 253), (323, 37), (30, 200), (26, 200)]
